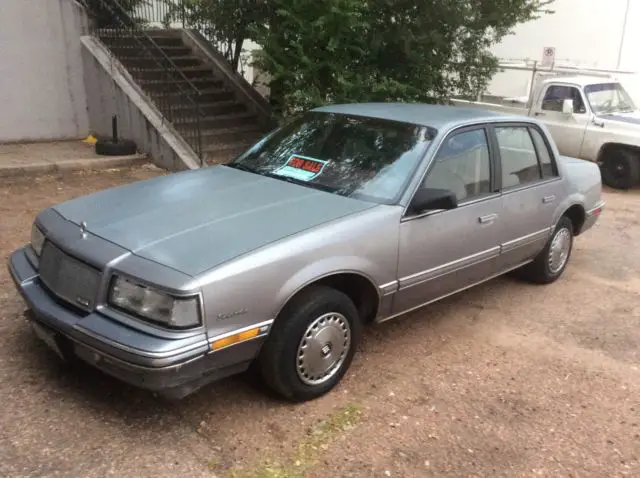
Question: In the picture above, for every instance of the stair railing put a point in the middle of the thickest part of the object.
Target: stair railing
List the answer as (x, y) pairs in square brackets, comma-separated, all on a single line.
[(113, 23)]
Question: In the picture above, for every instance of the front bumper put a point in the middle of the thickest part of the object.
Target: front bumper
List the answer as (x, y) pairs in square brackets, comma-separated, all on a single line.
[(172, 367)]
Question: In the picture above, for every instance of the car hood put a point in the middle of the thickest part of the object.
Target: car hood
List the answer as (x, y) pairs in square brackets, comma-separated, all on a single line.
[(630, 118), (195, 220)]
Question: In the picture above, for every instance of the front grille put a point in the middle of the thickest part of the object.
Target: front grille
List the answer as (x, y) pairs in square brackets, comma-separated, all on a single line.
[(68, 278)]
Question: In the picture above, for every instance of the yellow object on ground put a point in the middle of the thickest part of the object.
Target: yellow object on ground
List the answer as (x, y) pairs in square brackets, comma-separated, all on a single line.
[(91, 139)]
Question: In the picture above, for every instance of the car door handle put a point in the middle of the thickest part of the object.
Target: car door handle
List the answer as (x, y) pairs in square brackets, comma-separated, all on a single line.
[(548, 199), (487, 219)]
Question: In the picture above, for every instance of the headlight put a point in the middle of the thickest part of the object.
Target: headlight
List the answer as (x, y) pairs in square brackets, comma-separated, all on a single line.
[(37, 239), (149, 303)]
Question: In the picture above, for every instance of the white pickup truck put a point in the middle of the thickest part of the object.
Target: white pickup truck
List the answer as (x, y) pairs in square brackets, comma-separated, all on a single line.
[(589, 117)]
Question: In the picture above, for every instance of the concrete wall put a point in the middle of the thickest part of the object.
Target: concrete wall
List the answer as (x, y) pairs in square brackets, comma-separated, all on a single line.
[(42, 94), (586, 33), (112, 91)]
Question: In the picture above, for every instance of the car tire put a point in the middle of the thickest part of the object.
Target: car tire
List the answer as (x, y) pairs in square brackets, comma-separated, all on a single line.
[(311, 344), (551, 262), (122, 147), (621, 169)]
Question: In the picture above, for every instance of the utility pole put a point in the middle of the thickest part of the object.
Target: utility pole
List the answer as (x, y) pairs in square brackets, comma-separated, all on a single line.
[(624, 30)]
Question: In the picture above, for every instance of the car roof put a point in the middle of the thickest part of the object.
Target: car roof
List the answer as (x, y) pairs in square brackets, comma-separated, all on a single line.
[(435, 116)]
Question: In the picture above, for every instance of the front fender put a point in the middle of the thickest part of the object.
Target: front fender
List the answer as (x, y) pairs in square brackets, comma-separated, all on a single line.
[(255, 287), (324, 268)]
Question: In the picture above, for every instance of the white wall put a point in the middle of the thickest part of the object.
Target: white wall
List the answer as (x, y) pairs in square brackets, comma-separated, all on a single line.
[(585, 33), (42, 93)]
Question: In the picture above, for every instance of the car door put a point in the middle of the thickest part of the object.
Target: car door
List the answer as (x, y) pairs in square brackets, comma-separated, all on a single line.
[(531, 189), (443, 251), (567, 130)]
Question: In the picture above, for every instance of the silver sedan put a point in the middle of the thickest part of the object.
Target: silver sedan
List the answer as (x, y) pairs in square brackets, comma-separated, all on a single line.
[(346, 216)]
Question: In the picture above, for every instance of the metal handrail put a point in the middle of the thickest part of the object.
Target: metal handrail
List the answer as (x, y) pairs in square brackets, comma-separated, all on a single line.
[(173, 74), (140, 30)]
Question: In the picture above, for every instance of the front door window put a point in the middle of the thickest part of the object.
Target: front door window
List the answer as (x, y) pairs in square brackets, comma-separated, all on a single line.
[(462, 166)]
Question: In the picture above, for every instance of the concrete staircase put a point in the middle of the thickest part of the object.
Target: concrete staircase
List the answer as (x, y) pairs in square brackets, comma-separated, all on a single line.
[(227, 124)]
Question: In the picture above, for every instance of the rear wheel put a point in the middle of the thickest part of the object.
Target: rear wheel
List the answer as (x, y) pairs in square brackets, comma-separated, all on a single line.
[(551, 262), (621, 168), (311, 345)]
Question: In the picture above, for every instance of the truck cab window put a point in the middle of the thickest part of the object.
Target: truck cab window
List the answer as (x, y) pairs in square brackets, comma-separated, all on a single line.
[(556, 94)]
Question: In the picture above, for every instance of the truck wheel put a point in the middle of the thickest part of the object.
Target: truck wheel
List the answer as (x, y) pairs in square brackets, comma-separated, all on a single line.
[(621, 168), (311, 345), (551, 262)]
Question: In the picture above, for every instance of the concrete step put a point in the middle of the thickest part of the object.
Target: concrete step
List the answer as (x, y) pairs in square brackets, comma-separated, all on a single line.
[(212, 108), (217, 121), (164, 32), (192, 72), (168, 84), (250, 132), (145, 51), (225, 152), (153, 62), (207, 95), (133, 40)]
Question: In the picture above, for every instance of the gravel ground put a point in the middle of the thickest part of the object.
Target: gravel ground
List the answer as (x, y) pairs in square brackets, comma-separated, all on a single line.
[(506, 379)]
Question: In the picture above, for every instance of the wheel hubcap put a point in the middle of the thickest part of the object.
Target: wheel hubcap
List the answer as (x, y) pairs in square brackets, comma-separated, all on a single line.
[(559, 250), (619, 168), (323, 348)]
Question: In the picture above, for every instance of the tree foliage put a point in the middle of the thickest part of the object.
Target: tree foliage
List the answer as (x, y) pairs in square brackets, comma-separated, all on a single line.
[(331, 51), (226, 23)]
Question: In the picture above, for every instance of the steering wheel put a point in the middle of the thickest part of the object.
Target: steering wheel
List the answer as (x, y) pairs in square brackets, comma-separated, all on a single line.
[(607, 104)]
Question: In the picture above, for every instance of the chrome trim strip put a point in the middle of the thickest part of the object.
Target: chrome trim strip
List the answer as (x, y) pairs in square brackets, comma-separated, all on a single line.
[(453, 266), (379, 321), (388, 288), (142, 353), (525, 240), (521, 187)]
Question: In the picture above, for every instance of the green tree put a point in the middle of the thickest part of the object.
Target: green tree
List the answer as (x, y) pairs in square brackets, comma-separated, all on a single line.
[(225, 23), (331, 51)]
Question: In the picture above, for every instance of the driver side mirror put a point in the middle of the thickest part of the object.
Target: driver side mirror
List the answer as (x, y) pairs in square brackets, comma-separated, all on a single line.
[(427, 199), (567, 107)]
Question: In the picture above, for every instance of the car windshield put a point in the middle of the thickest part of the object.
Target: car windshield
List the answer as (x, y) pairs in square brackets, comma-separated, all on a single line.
[(360, 157), (607, 98)]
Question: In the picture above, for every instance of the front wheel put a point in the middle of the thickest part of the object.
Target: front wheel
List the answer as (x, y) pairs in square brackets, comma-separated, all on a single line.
[(311, 345), (551, 262)]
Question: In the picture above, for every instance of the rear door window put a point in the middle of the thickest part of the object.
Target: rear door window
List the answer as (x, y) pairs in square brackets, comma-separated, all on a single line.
[(520, 164)]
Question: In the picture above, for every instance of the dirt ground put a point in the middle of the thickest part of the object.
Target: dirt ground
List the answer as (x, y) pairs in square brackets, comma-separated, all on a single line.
[(507, 379)]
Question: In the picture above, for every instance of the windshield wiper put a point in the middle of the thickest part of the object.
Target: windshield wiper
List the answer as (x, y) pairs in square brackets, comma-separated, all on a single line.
[(299, 182), (242, 167)]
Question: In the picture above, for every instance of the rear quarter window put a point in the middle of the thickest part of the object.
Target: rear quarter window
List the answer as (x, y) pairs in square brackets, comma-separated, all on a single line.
[(518, 156), (548, 166)]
